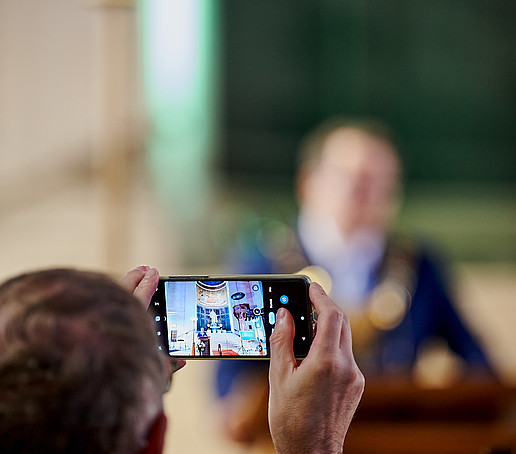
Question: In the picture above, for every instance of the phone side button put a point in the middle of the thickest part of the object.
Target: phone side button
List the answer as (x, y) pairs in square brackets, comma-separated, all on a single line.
[(272, 318)]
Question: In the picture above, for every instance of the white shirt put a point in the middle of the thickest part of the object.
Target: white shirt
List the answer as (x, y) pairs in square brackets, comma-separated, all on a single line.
[(351, 260)]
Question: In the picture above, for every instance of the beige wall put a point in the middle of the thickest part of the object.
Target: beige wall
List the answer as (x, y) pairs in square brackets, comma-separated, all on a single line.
[(47, 94), (74, 189)]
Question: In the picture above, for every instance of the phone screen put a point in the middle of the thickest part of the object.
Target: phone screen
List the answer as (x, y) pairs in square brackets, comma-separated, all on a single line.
[(229, 316)]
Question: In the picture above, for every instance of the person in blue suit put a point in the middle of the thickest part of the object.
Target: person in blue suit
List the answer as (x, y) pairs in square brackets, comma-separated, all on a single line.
[(392, 286)]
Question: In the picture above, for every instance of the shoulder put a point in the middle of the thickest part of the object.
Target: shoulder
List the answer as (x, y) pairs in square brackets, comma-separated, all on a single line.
[(272, 247), (423, 251)]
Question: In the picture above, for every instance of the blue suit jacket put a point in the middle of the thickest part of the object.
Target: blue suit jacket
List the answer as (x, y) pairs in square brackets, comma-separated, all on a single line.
[(431, 315)]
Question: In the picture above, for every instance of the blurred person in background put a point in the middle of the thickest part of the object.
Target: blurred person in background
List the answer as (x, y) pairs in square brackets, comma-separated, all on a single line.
[(80, 370), (393, 288)]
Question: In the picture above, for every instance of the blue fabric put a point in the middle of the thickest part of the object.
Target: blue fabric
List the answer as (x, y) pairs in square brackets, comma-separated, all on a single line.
[(431, 315)]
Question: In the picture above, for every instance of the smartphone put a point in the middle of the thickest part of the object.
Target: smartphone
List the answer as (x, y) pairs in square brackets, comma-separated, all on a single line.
[(229, 316)]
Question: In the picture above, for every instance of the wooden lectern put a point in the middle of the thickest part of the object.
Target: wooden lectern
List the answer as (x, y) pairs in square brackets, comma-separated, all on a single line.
[(400, 418)]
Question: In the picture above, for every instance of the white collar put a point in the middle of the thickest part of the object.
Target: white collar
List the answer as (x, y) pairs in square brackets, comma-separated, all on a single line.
[(349, 259)]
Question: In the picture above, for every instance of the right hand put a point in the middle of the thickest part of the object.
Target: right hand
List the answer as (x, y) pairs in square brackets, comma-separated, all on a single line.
[(311, 404)]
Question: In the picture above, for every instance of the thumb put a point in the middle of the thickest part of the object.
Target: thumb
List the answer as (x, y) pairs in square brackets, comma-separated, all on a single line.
[(282, 351)]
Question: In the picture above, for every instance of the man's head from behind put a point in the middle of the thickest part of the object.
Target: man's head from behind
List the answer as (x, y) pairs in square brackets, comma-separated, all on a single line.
[(350, 172), (79, 367)]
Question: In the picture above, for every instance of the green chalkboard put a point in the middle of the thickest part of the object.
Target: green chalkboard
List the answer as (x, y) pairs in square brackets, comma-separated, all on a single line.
[(442, 73)]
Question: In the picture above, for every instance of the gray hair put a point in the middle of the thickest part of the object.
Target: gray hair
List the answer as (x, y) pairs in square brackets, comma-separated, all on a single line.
[(79, 366)]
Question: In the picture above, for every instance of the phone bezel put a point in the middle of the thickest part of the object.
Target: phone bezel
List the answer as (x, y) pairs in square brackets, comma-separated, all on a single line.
[(304, 329)]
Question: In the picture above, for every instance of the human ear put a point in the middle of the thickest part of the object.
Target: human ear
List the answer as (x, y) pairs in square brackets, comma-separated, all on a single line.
[(156, 436)]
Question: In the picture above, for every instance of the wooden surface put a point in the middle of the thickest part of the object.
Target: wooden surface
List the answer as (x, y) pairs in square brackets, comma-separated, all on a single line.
[(402, 418)]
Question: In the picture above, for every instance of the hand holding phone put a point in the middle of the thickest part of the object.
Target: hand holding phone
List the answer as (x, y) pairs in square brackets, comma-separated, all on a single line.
[(141, 282), (311, 404), (229, 316)]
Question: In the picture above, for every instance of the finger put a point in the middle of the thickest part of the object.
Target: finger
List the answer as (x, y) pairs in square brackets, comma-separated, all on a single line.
[(177, 364), (281, 342), (147, 286), (173, 365), (330, 319), (319, 298), (345, 337), (132, 278)]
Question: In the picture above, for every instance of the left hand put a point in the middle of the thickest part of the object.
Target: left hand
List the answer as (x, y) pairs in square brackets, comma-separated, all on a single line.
[(142, 283)]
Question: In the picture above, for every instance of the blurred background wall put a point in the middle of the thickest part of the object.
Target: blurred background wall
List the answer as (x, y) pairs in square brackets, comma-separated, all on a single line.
[(152, 131), (441, 74), (71, 138)]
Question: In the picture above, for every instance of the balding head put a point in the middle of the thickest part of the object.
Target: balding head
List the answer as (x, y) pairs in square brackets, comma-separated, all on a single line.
[(79, 366)]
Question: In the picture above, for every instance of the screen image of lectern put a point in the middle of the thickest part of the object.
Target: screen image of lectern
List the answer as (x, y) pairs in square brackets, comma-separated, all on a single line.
[(215, 318)]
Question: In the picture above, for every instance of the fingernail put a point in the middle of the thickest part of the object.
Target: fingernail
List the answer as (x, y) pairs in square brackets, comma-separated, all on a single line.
[(143, 268), (151, 273), (280, 315)]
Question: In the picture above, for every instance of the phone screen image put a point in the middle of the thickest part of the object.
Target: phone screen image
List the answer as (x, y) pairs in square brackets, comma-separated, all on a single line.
[(227, 317)]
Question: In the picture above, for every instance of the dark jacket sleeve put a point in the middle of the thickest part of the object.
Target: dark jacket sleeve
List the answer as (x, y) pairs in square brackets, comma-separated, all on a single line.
[(433, 315)]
